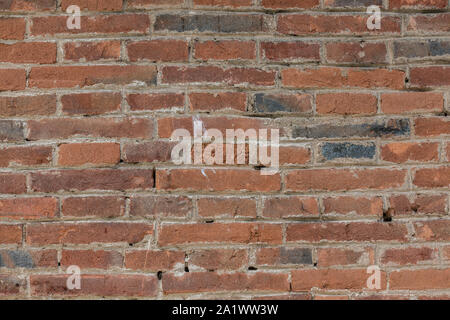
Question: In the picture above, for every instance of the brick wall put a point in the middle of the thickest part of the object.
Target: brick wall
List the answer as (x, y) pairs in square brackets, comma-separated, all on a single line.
[(86, 177)]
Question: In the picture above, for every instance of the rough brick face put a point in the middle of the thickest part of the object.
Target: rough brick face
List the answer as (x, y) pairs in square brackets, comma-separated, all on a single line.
[(87, 175)]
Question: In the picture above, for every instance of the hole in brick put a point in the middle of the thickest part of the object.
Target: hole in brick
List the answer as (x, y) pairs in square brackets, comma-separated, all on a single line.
[(159, 275), (387, 215), (59, 264), (130, 244), (209, 221), (406, 80), (259, 167), (315, 264), (186, 269), (252, 268)]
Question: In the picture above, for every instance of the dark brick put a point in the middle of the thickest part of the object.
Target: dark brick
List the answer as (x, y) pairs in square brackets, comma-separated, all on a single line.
[(160, 206), (21, 259), (296, 256), (379, 128), (331, 151), (439, 48), (282, 103), (409, 49), (352, 3), (210, 23), (11, 130)]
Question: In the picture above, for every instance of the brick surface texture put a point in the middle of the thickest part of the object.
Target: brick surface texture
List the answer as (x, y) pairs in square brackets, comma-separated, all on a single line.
[(86, 176)]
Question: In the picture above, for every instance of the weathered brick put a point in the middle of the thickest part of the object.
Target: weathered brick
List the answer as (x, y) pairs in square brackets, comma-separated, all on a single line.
[(421, 204), (26, 5), (210, 281), (29, 208), (284, 256), (216, 180), (328, 257), (331, 151), (79, 154), (151, 260), (288, 4), (96, 207), (11, 285), (156, 101), (92, 179), (290, 51), (27, 106), (11, 234), (353, 205), (12, 79), (221, 101), (290, 207), (436, 230), (25, 156), (12, 183), (218, 259), (268, 103), (159, 206), (86, 233), (12, 28), (346, 231), (401, 152), (419, 279), (177, 234), (430, 76), (429, 127), (92, 259), (90, 103), (419, 4), (438, 177), (225, 50), (428, 24), (226, 207), (344, 179), (28, 52), (408, 256), (397, 103), (92, 51), (356, 52), (158, 50), (94, 5), (28, 259), (154, 151), (346, 103), (101, 285)]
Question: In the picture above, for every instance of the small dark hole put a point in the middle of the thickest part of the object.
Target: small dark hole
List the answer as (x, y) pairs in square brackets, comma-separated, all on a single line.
[(130, 244), (209, 221), (186, 269), (387, 215), (252, 268), (159, 274)]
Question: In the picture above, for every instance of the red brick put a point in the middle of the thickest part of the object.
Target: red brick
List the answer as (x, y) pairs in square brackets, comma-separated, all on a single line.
[(107, 24), (98, 207), (332, 279), (432, 177), (430, 76), (11, 234), (408, 255), (79, 154), (153, 3), (154, 151), (218, 75), (353, 205), (27, 6), (92, 179), (12, 79), (397, 103), (446, 251), (429, 127), (436, 230), (210, 281), (223, 3), (91, 259), (421, 204), (419, 4), (243, 233), (346, 231), (29, 208), (26, 106), (64, 128), (166, 126), (226, 207), (304, 24), (25, 156), (86, 233), (288, 4), (28, 52), (291, 154), (330, 77), (216, 180), (11, 285), (356, 52), (90, 103), (12, 28), (160, 206), (12, 183), (225, 50), (84, 76), (218, 259), (156, 101), (104, 285), (94, 5), (290, 207), (346, 103), (344, 179), (435, 23), (328, 257), (221, 101), (158, 50), (92, 51), (151, 260), (401, 152), (425, 279), (290, 51)]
